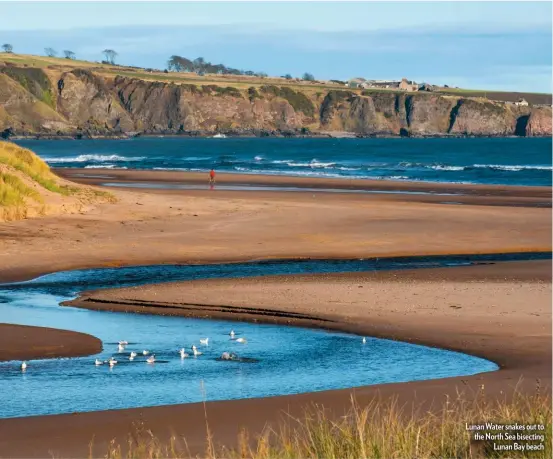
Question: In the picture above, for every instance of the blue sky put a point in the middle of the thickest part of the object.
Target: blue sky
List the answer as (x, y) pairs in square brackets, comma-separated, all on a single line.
[(485, 45)]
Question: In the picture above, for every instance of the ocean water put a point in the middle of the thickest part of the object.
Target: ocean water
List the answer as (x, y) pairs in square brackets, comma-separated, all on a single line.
[(283, 360), (507, 161)]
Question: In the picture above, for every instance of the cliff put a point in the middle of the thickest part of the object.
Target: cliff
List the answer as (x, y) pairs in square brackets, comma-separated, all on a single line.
[(78, 102)]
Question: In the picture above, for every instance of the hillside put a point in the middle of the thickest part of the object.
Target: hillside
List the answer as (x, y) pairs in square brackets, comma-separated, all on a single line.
[(28, 188), (57, 97)]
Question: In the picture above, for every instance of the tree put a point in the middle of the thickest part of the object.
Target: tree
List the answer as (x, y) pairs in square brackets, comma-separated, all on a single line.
[(110, 55), (288, 76), (68, 54), (261, 74), (308, 77), (50, 52), (179, 64), (199, 64), (7, 48)]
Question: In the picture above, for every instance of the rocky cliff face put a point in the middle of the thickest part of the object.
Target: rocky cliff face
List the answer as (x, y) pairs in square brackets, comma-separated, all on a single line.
[(79, 102)]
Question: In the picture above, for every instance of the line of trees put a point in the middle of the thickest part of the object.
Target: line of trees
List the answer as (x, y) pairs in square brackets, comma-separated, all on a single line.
[(201, 66), (174, 64), (109, 54), (51, 52)]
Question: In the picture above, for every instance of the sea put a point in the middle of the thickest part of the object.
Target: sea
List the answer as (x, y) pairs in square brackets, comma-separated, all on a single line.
[(504, 161)]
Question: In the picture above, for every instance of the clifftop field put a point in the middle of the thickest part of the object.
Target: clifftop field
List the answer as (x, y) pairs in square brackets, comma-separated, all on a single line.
[(54, 97)]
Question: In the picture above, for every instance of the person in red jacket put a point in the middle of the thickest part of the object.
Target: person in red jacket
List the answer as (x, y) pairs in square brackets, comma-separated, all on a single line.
[(211, 177)]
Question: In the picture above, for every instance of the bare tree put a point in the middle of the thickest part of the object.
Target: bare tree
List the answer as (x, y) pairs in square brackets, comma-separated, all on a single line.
[(68, 54), (110, 55), (7, 48), (50, 52)]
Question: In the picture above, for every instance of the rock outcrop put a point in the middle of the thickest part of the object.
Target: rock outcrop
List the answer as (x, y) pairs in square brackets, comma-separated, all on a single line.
[(539, 123), (82, 103)]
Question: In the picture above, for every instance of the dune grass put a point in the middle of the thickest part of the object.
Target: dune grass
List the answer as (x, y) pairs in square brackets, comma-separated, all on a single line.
[(13, 191), (31, 165), (382, 429), (21, 168)]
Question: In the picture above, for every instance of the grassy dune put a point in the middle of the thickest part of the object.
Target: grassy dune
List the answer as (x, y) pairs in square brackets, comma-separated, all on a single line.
[(26, 183), (32, 166), (379, 430)]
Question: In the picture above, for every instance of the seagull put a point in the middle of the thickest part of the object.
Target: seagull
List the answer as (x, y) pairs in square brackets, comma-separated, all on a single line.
[(204, 341), (112, 362), (24, 366), (241, 340), (232, 334), (133, 354), (98, 362), (151, 359), (145, 352), (364, 340), (123, 343), (120, 348), (195, 351), (183, 354)]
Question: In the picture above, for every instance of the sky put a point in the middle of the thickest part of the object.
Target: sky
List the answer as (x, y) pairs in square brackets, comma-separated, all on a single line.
[(479, 45)]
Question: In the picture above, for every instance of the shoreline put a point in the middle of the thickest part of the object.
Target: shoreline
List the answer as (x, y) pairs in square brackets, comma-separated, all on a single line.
[(109, 300), (263, 134), (210, 226), (288, 180), (24, 342), (512, 356)]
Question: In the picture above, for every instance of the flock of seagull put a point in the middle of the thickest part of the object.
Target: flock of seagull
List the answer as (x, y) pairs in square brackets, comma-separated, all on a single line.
[(183, 354)]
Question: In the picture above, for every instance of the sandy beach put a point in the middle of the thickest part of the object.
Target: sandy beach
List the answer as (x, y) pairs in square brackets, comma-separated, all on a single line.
[(20, 342), (198, 226), (499, 311)]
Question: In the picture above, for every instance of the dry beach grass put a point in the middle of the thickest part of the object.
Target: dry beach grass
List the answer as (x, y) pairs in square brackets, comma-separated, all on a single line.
[(29, 188), (381, 429)]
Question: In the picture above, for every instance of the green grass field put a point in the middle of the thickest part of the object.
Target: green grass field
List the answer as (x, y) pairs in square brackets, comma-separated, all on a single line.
[(239, 81), (243, 82)]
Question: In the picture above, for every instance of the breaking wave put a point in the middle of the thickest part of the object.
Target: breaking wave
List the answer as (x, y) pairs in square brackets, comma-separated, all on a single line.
[(104, 166), (93, 158), (514, 168)]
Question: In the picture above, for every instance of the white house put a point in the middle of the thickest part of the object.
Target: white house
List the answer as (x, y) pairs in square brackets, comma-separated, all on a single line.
[(522, 102)]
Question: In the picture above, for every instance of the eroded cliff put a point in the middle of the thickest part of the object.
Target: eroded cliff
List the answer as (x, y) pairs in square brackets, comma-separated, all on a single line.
[(82, 103)]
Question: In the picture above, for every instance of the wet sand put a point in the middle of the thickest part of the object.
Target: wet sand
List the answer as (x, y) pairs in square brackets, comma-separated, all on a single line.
[(200, 226), (438, 193), (500, 312), (20, 342)]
